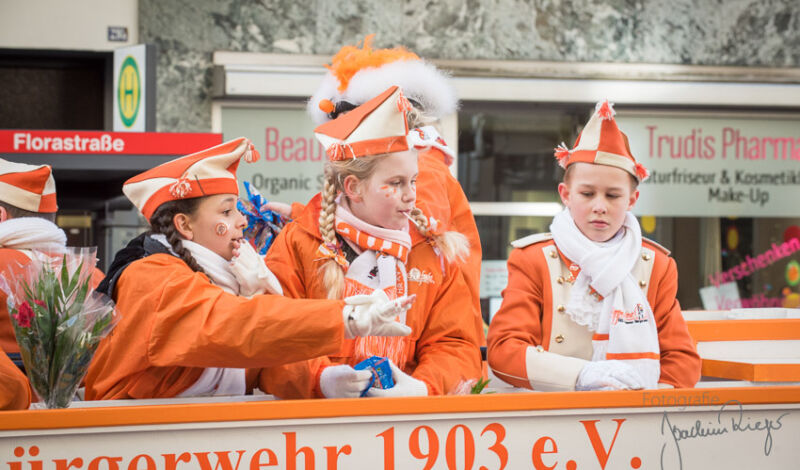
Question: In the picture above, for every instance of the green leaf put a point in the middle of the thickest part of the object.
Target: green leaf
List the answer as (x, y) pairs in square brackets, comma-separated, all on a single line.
[(479, 386)]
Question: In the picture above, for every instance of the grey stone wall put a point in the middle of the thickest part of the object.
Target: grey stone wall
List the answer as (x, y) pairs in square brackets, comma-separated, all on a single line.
[(700, 32)]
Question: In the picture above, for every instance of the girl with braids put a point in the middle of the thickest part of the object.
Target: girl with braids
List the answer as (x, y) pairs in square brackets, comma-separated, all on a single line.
[(363, 235), (358, 73), (194, 297)]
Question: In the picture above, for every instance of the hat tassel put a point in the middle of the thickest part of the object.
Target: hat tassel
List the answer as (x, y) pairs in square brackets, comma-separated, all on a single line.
[(641, 172), (605, 110), (251, 155), (181, 187), (562, 155), (403, 105)]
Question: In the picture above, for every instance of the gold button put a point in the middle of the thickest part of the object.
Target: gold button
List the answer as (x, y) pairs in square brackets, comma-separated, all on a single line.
[(554, 254), (642, 283), (560, 339), (540, 348), (560, 280), (561, 309), (645, 256)]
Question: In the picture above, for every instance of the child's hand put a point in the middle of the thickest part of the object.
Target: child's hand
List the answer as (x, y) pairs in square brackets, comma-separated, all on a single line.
[(609, 375), (404, 386), (236, 244), (343, 381), (375, 314), (280, 208), (251, 272)]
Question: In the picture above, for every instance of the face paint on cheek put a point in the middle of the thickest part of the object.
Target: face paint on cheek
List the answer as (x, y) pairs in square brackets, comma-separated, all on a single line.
[(387, 191), (221, 228)]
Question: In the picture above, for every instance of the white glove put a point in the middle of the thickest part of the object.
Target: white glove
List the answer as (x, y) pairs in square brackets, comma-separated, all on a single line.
[(404, 386), (343, 381), (374, 315), (252, 273), (608, 375)]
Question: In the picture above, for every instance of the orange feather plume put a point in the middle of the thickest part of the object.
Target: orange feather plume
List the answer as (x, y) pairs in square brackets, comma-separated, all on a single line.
[(351, 59)]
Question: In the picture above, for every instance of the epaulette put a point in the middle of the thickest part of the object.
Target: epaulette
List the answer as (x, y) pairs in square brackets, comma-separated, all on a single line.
[(656, 245), (531, 239)]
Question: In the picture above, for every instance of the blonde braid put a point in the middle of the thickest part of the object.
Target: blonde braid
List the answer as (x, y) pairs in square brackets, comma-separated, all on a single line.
[(332, 273), (421, 221), (454, 245)]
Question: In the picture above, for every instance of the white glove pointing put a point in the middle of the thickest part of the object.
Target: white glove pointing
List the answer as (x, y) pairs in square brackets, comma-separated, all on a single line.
[(374, 315), (404, 386), (343, 381), (251, 272), (608, 375)]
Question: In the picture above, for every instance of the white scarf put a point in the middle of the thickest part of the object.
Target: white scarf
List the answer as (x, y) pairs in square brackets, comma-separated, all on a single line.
[(623, 321), (31, 233), (224, 273)]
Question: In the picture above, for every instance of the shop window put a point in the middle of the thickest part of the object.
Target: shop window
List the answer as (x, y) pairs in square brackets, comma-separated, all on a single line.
[(506, 158)]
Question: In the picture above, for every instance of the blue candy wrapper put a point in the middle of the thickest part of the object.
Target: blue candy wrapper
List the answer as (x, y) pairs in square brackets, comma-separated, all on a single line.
[(381, 372), (262, 225)]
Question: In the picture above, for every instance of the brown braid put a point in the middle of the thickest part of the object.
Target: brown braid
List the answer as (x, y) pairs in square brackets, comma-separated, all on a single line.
[(162, 222)]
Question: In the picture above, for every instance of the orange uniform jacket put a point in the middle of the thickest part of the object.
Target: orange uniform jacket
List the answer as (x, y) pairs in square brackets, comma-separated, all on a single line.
[(175, 322), (15, 394), (8, 258), (440, 196), (446, 331), (533, 315), (11, 258)]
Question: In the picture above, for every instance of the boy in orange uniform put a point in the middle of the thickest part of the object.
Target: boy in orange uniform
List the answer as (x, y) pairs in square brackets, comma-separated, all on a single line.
[(356, 238), (591, 305)]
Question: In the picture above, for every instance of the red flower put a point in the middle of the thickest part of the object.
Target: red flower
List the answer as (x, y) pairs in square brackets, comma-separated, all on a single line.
[(24, 315)]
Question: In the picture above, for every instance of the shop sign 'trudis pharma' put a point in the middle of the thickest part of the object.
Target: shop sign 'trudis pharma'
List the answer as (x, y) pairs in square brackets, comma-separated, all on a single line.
[(711, 167)]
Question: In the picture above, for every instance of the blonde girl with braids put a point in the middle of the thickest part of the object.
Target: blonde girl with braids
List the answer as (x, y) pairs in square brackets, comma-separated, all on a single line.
[(454, 246), (198, 304), (365, 235)]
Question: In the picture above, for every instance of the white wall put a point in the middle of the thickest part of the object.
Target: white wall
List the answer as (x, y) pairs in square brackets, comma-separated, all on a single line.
[(66, 24)]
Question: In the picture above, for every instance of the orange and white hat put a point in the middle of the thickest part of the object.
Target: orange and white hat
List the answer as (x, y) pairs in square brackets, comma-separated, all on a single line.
[(376, 127), (602, 143), (28, 187), (210, 171), (356, 75)]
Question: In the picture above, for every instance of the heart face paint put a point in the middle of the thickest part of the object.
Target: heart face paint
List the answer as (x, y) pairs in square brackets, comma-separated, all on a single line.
[(221, 228)]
